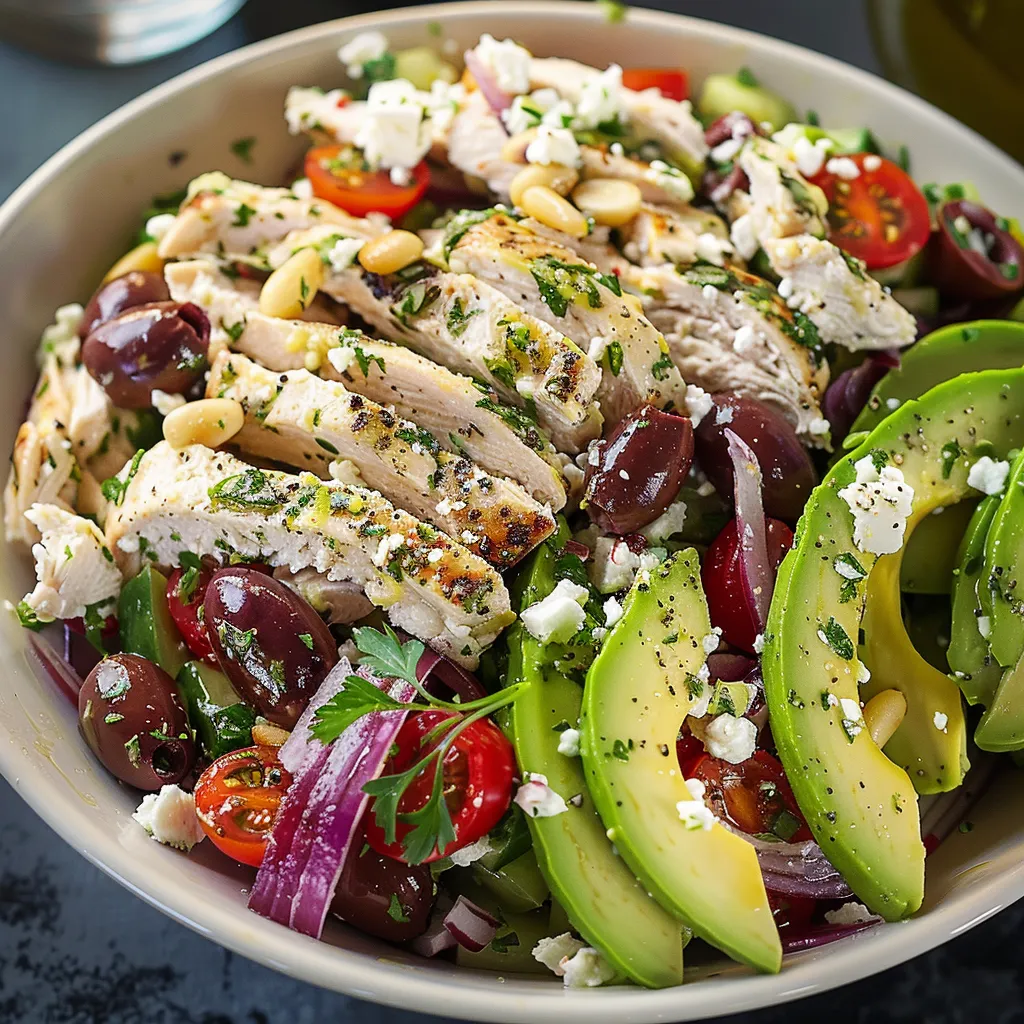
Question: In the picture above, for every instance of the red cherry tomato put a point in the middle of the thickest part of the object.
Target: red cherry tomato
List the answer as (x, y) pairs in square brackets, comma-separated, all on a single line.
[(723, 585), (689, 751), (478, 771), (755, 795), (340, 175), (673, 83), (184, 604), (237, 799), (881, 216)]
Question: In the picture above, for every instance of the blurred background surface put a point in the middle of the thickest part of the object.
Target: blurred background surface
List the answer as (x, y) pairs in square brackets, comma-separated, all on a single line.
[(75, 948)]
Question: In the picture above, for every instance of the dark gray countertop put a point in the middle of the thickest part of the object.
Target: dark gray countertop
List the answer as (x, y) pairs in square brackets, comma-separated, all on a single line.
[(75, 948)]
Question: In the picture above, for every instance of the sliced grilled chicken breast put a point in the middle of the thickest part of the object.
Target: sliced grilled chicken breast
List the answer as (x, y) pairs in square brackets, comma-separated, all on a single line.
[(681, 234), (658, 181), (300, 420), (211, 503)]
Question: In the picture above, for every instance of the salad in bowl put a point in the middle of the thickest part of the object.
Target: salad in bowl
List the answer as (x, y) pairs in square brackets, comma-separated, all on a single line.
[(517, 533)]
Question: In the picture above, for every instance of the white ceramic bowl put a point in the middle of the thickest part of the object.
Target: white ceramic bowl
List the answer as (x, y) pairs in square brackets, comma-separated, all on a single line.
[(74, 216)]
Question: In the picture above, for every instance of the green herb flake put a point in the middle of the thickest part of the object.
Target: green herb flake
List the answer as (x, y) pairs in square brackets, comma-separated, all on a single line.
[(307, 639), (242, 148), (747, 77), (614, 357), (243, 214), (114, 488), (951, 451), (395, 911), (28, 618), (834, 636)]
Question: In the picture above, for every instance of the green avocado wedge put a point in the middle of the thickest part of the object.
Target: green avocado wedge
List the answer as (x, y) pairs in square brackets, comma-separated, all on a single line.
[(639, 689), (604, 900), (861, 807), (941, 356), (929, 556)]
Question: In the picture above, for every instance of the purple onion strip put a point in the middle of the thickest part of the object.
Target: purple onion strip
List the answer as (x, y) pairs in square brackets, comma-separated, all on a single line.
[(497, 100), (472, 927)]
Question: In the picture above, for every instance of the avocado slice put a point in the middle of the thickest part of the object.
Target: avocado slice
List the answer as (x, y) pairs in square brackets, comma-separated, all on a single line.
[(935, 759), (221, 720), (604, 900), (929, 555), (969, 656), (639, 689), (518, 886), (861, 806), (1001, 728), (941, 356), (146, 626)]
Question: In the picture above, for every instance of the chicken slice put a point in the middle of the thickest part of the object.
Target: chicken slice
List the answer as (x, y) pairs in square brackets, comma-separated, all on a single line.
[(553, 283), (658, 181), (475, 143), (75, 569), (680, 234), (303, 421), (340, 601), (464, 416), (833, 289), (211, 503)]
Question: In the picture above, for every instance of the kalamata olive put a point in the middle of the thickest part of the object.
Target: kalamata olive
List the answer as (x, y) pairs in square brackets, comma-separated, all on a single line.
[(270, 643), (974, 256), (735, 125), (639, 470), (133, 718), (729, 666), (136, 288), (382, 896), (786, 468), (848, 394), (160, 345)]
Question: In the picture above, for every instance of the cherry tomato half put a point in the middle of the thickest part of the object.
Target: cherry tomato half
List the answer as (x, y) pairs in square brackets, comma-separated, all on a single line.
[(478, 771), (184, 601), (340, 175), (673, 83), (881, 216), (755, 795), (237, 799)]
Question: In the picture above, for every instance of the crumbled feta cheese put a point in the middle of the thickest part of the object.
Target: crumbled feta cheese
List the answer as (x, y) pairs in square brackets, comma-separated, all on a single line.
[(849, 913), (165, 403), (940, 721), (472, 853), (364, 48), (435, 555), (808, 156), (554, 146), (587, 969), (985, 626), (723, 415), (559, 616), (892, 404), (551, 952), (158, 226), (671, 179), (598, 347), (759, 643), (652, 557), (400, 176), (394, 131), (872, 162), (880, 502), (725, 151), (786, 288), (819, 427), (600, 99), (709, 293), (302, 188), (730, 739), (443, 507), (342, 254), (712, 640), (831, 700), (988, 476), (743, 237), (744, 340), (712, 248), (694, 813), (863, 674), (613, 566), (507, 61), (569, 742), (853, 717), (537, 799), (341, 358), (698, 403), (843, 167), (612, 612), (170, 818), (668, 523)]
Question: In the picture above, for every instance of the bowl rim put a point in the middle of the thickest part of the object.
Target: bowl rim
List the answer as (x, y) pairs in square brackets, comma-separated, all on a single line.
[(391, 982)]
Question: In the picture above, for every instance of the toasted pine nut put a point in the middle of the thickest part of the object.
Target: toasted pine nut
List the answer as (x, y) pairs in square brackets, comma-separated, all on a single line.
[(547, 206), (266, 734), (391, 252), (609, 201), (293, 286), (514, 149), (210, 421), (883, 715), (142, 257), (555, 176)]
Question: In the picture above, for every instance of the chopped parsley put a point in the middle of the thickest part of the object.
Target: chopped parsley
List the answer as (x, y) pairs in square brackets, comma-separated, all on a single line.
[(458, 318), (242, 148), (114, 489), (243, 214), (833, 635)]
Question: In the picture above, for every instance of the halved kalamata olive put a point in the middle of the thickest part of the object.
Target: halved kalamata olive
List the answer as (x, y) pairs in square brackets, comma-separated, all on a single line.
[(383, 896), (160, 345), (136, 288), (848, 394), (639, 469), (974, 256), (786, 468), (132, 717), (270, 643), (735, 125)]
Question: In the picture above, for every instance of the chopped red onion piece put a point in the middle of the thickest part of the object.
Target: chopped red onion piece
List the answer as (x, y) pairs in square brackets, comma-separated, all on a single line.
[(434, 668), (821, 935), (48, 664), (797, 869), (574, 547), (436, 939), (497, 99), (472, 926)]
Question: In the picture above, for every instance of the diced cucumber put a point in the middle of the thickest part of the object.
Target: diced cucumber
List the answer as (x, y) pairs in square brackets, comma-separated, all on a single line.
[(145, 622), (422, 66), (518, 886), (853, 140), (221, 721), (722, 94), (509, 840)]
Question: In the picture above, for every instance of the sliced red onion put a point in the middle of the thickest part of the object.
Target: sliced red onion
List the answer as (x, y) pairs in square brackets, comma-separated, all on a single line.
[(436, 939), (797, 869), (316, 824), (48, 664), (821, 935), (497, 99), (434, 668), (947, 811), (472, 927), (755, 569)]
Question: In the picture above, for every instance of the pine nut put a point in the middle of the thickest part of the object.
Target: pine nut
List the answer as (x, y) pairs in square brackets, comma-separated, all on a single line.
[(142, 257), (210, 422), (555, 176), (547, 206), (266, 734), (883, 715), (610, 201), (293, 286), (514, 149), (391, 252)]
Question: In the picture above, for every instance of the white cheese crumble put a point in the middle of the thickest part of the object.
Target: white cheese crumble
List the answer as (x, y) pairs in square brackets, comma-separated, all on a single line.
[(940, 721), (164, 403), (759, 643), (552, 952), (341, 358), (786, 288), (559, 616), (394, 131), (170, 818), (712, 248), (613, 566), (612, 612), (364, 48), (723, 415), (569, 742), (302, 188), (819, 427), (872, 162), (743, 237), (988, 476), (600, 98), (892, 404), (880, 502), (587, 969), (863, 674), (507, 62), (725, 151), (158, 226), (843, 167), (744, 340), (711, 641), (709, 293), (342, 254), (808, 156), (694, 813), (849, 913), (537, 799), (698, 403), (554, 146), (730, 739), (985, 626)]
